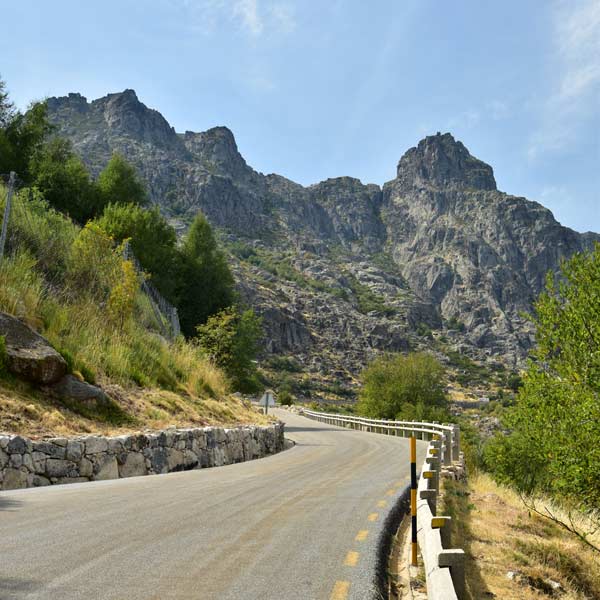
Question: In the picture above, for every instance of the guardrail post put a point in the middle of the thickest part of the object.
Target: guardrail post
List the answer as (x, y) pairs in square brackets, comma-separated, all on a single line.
[(455, 443), (454, 559), (443, 524), (447, 447)]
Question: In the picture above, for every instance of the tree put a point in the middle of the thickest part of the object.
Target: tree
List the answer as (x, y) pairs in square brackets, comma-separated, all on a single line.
[(152, 239), (21, 135), (7, 108), (405, 387), (554, 445), (230, 338), (64, 180), (119, 183), (206, 285)]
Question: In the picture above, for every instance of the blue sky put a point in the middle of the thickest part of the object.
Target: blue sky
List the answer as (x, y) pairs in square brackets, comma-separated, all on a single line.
[(316, 89)]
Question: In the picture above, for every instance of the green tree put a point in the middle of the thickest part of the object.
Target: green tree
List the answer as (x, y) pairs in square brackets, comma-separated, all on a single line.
[(231, 339), (21, 135), (152, 239), (64, 180), (7, 108), (554, 446), (119, 183), (206, 285), (405, 387)]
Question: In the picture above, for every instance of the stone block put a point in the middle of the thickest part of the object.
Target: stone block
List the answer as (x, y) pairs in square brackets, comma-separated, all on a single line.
[(56, 467), (106, 467), (74, 450), (52, 450), (86, 468), (95, 445), (133, 466)]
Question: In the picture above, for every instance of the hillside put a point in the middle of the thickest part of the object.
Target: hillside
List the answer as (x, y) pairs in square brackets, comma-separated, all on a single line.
[(103, 364), (438, 257)]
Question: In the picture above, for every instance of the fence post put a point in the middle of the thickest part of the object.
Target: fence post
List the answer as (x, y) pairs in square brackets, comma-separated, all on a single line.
[(9, 193)]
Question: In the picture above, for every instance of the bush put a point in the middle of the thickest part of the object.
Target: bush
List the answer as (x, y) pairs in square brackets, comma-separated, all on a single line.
[(402, 387), (152, 240), (285, 398), (553, 447), (230, 338)]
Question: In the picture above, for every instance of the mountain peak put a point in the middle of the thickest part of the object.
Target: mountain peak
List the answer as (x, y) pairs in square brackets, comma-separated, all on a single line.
[(440, 160)]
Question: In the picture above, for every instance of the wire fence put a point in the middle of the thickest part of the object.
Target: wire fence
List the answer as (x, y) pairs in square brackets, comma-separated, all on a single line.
[(164, 311), (20, 206)]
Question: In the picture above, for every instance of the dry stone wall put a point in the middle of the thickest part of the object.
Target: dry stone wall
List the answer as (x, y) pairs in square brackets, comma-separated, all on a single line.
[(31, 463)]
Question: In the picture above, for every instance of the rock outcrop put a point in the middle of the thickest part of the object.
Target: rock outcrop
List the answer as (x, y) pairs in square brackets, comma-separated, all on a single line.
[(28, 354), (342, 270)]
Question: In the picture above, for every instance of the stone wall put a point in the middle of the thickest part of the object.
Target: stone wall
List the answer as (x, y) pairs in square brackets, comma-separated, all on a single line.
[(31, 463)]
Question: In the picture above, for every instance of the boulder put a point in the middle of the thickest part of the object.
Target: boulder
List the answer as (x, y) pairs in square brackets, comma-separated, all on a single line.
[(71, 388), (29, 355)]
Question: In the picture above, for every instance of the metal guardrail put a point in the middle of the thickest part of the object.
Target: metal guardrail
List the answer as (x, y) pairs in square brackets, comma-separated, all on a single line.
[(450, 434), (444, 565)]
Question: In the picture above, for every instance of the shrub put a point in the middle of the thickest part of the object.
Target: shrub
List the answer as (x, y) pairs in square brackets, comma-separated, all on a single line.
[(285, 398), (230, 338), (553, 447), (405, 387), (152, 240)]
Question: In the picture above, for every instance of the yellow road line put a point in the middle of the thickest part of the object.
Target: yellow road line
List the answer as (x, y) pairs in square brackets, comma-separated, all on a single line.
[(382, 503), (351, 559), (340, 590), (373, 517), (390, 492), (361, 536)]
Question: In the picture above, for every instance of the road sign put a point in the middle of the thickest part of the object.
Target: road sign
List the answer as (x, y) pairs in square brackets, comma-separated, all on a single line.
[(268, 399)]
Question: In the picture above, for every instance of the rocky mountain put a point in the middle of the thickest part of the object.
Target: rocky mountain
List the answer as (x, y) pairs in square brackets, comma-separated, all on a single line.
[(340, 270)]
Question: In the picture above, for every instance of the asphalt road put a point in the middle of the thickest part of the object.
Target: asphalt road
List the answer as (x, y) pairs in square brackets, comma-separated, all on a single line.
[(300, 525)]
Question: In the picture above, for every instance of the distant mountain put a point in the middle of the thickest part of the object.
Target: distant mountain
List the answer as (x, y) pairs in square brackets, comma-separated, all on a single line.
[(341, 270)]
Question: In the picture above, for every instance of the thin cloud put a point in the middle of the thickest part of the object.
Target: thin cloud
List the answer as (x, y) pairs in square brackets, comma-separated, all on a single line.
[(246, 12), (574, 97), (256, 18)]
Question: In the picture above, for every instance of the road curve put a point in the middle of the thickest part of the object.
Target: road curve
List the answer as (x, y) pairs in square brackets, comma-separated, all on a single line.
[(300, 525)]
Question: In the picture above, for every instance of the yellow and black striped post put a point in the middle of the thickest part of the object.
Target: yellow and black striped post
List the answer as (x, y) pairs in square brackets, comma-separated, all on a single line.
[(413, 500)]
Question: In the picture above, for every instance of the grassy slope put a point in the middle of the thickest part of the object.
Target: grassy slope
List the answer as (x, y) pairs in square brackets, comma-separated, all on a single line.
[(45, 281), (499, 535)]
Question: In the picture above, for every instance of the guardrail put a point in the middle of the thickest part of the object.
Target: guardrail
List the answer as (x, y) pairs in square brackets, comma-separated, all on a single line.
[(444, 565)]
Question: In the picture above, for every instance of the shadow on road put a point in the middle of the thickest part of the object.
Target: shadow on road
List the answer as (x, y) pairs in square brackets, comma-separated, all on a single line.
[(9, 504), (12, 588), (293, 429)]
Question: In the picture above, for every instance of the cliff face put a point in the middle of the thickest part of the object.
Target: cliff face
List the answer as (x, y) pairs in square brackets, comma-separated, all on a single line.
[(341, 270)]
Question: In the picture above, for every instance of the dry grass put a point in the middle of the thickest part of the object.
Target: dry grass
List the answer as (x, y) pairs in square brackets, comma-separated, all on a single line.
[(27, 411), (499, 536)]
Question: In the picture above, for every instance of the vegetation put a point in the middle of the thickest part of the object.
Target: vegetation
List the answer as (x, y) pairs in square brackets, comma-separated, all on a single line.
[(553, 447), (206, 285), (69, 280), (119, 183), (230, 338), (366, 299), (152, 240), (500, 536), (403, 387)]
